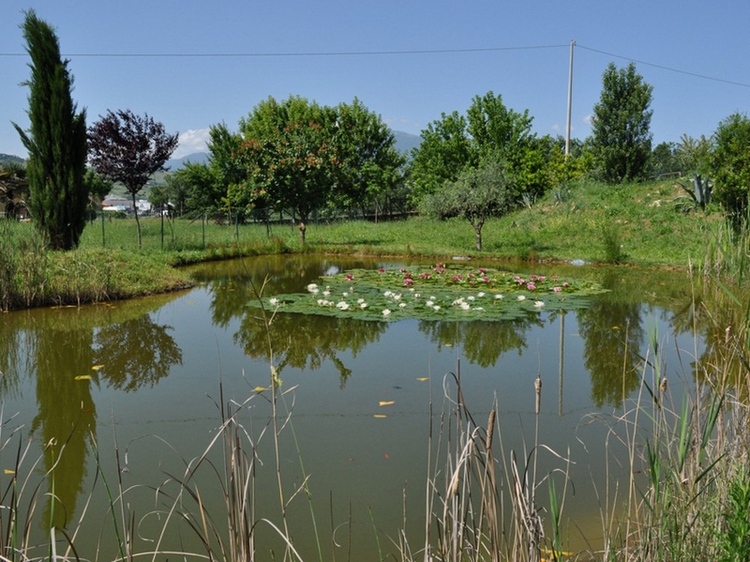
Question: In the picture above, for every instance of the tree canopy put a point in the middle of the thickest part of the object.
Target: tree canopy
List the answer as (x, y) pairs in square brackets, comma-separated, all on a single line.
[(621, 136), (56, 141), (489, 130)]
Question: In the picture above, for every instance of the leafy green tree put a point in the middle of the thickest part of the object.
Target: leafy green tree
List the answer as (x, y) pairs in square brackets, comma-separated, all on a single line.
[(129, 149), (456, 142), (444, 151), (56, 141), (205, 187), (664, 160), (290, 156), (478, 194), (731, 166), (621, 138), (368, 166)]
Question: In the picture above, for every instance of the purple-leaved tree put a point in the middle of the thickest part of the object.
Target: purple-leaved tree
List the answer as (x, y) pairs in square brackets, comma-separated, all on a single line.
[(129, 149)]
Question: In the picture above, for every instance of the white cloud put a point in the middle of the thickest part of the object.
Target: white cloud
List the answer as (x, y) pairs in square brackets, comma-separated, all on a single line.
[(192, 141), (588, 119)]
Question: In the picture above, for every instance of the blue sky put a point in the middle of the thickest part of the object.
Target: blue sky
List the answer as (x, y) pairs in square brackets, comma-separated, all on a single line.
[(434, 57)]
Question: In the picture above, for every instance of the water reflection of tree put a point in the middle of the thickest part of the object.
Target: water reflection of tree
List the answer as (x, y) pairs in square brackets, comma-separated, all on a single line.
[(612, 336), (716, 312), (306, 341), (232, 284), (67, 414), (298, 341), (482, 342), (14, 355), (136, 352)]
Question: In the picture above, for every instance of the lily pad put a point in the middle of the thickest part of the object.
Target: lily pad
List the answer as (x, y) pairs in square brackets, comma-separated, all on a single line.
[(440, 292)]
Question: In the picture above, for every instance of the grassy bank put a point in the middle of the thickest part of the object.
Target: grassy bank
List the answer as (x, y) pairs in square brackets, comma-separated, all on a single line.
[(643, 224)]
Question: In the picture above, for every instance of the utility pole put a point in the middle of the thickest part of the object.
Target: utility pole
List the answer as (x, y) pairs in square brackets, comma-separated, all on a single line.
[(570, 100)]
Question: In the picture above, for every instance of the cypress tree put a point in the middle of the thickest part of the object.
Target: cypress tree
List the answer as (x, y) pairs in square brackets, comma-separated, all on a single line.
[(56, 141)]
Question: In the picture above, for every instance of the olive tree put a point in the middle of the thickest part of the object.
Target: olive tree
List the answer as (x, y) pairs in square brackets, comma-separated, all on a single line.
[(476, 195)]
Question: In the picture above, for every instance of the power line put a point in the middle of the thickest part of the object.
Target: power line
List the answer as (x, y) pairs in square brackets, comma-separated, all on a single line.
[(663, 67), (300, 53), (292, 54)]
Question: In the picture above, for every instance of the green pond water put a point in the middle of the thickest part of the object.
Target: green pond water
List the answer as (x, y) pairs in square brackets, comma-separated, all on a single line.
[(126, 395)]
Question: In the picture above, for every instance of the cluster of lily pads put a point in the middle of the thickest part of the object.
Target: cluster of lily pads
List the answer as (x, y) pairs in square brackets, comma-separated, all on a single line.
[(438, 292)]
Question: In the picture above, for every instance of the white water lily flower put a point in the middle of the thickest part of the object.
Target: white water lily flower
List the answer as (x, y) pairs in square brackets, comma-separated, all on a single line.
[(326, 293), (498, 296), (386, 312), (360, 301), (274, 301), (417, 295), (470, 298), (458, 302), (342, 305), (465, 306), (429, 304), (436, 308), (539, 304), (312, 287), (397, 297), (321, 302), (363, 305), (480, 295), (479, 308), (402, 305), (521, 298), (387, 293)]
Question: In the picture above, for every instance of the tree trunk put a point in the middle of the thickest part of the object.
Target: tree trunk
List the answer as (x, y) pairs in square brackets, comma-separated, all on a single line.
[(478, 232), (137, 222)]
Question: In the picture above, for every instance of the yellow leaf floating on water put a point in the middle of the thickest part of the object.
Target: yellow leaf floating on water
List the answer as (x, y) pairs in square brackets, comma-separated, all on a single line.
[(448, 344), (386, 403), (423, 379), (615, 327), (97, 367), (379, 416), (260, 389), (83, 378), (9, 471)]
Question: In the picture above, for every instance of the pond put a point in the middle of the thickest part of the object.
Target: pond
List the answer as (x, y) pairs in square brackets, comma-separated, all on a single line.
[(125, 396)]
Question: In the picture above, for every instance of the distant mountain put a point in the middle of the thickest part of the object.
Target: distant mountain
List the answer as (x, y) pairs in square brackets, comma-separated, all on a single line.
[(10, 159), (406, 141), (195, 158)]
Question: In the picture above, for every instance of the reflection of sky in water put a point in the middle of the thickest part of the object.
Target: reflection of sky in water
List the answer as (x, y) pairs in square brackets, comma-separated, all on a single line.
[(362, 459)]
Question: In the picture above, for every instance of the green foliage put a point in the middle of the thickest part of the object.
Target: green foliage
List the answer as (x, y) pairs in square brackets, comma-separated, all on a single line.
[(735, 541), (731, 166), (694, 155), (478, 194), (489, 130), (621, 137), (444, 151), (290, 156), (56, 141), (368, 168), (664, 161)]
